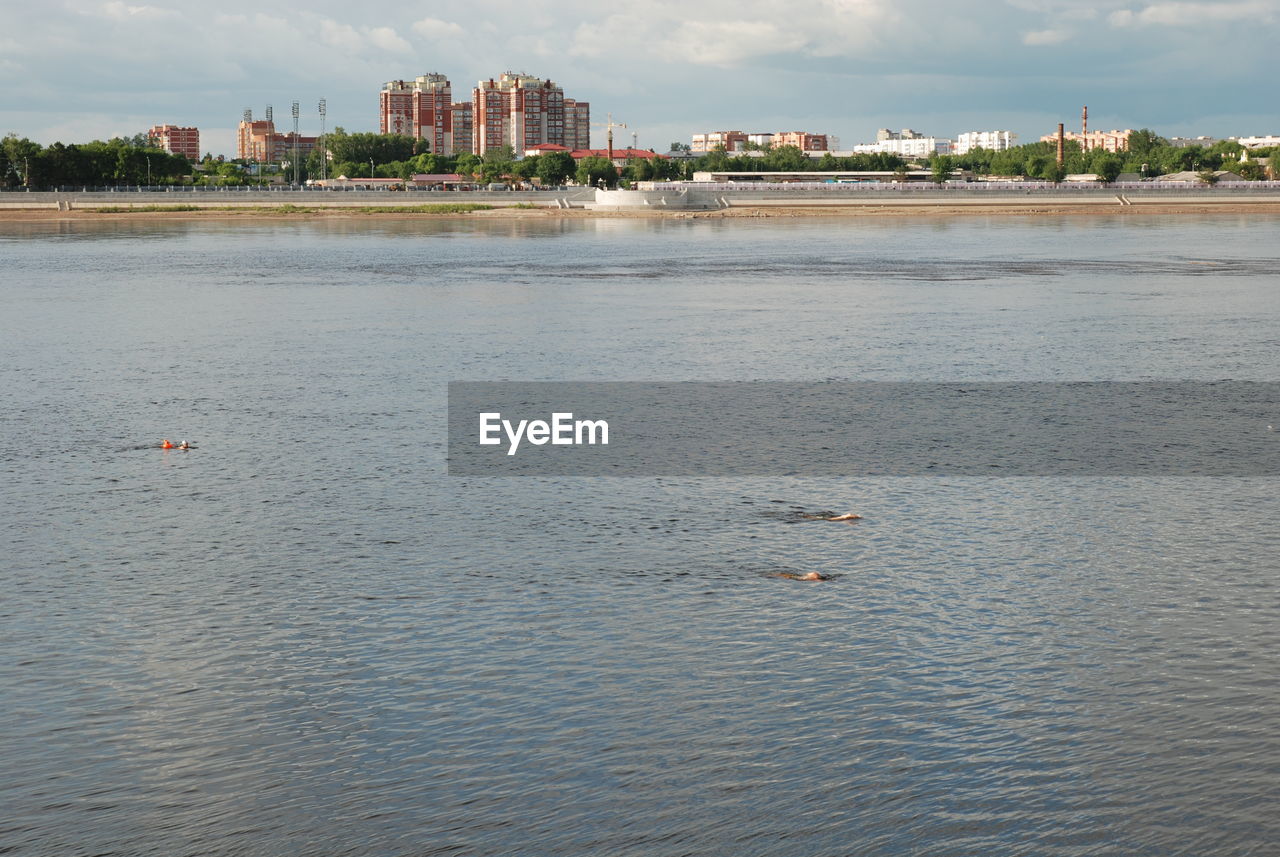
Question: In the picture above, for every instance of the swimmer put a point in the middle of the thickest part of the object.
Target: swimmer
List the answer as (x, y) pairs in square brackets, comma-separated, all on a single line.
[(813, 575), (847, 516), (184, 445)]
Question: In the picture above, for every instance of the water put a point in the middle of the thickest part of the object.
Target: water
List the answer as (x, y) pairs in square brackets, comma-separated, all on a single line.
[(303, 638)]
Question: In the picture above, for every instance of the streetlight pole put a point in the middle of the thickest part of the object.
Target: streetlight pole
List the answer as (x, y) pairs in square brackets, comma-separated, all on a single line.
[(148, 171), (371, 172)]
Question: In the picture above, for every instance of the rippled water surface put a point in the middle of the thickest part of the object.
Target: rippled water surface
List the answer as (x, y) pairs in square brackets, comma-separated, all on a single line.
[(303, 638)]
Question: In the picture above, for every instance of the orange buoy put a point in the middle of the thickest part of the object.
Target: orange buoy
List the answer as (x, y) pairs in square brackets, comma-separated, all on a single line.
[(165, 444)]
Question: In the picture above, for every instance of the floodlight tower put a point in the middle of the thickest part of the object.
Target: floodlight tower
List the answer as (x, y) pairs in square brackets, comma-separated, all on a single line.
[(324, 156), (270, 144), (295, 142), (246, 138)]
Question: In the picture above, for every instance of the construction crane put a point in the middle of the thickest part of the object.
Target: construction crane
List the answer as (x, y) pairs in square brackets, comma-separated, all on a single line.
[(610, 125)]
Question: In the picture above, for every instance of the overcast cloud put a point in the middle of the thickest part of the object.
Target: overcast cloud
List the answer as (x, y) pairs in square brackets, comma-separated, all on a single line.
[(82, 69)]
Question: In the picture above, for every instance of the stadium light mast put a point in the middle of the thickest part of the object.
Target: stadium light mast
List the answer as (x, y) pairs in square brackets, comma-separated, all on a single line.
[(324, 155), (295, 142)]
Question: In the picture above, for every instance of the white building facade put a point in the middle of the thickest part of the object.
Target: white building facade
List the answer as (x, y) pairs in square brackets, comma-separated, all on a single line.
[(995, 141), (1259, 142), (913, 147)]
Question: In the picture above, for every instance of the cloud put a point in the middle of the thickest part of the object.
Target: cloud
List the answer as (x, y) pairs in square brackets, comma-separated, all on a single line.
[(732, 34), (434, 28), (348, 38), (123, 12), (1192, 14), (387, 39), (1046, 37), (343, 36)]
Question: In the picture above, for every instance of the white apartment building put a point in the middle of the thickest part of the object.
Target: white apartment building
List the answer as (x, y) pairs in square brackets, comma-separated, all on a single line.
[(996, 141), (1259, 142), (907, 147)]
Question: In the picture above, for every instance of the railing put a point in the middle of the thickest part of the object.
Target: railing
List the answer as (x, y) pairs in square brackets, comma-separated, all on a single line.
[(957, 187)]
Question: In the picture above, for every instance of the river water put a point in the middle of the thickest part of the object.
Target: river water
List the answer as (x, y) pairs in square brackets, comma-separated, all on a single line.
[(302, 637)]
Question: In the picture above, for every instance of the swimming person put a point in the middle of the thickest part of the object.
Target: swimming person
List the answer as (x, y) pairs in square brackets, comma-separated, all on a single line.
[(813, 575), (184, 445), (847, 516)]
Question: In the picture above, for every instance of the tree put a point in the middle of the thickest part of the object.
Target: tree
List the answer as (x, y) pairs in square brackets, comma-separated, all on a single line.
[(503, 154), (468, 165), (1208, 177), (1145, 141), (364, 147), (787, 159), (595, 169), (19, 151), (940, 168), (638, 170), (554, 168), (1106, 165)]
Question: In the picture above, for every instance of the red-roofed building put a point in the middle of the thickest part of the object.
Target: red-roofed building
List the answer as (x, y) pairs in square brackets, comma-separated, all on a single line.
[(544, 148), (620, 156), (445, 181)]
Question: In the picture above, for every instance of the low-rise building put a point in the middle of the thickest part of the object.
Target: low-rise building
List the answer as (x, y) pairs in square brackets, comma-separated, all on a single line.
[(737, 141), (802, 140), (731, 141), (883, 134), (1111, 141), (545, 148), (257, 140), (1268, 141), (620, 156), (443, 181)]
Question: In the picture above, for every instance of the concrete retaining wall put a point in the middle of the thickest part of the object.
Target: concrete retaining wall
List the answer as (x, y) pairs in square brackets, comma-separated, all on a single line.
[(235, 198), (622, 200)]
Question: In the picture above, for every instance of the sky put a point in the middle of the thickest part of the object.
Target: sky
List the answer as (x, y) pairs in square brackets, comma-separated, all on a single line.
[(77, 70)]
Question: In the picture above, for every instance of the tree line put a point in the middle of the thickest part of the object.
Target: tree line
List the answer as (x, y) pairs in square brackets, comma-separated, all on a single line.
[(1148, 155), (397, 156), (119, 161), (135, 160)]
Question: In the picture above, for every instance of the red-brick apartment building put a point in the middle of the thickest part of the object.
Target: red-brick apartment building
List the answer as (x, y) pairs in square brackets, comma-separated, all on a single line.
[(177, 140), (516, 110)]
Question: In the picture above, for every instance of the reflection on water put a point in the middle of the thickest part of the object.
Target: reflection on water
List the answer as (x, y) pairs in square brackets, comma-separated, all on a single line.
[(303, 638)]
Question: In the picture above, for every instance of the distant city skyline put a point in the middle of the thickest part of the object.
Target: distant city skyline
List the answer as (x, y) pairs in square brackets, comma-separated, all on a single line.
[(75, 71)]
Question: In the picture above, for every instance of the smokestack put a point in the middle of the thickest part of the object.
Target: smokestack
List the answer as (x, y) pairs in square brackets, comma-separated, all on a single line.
[(1062, 154), (1084, 128)]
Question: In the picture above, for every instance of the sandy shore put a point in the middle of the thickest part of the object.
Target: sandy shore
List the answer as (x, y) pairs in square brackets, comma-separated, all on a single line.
[(1029, 208)]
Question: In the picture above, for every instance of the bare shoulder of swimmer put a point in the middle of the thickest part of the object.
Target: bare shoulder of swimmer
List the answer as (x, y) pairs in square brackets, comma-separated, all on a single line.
[(847, 516)]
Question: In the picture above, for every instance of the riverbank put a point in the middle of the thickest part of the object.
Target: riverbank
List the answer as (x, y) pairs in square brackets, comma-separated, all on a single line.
[(912, 208)]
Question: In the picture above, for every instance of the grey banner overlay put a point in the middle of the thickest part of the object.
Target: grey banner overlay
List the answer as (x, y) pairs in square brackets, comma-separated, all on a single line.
[(771, 428)]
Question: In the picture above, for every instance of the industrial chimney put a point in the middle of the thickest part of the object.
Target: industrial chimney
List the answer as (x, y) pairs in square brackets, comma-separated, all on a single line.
[(1062, 154)]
